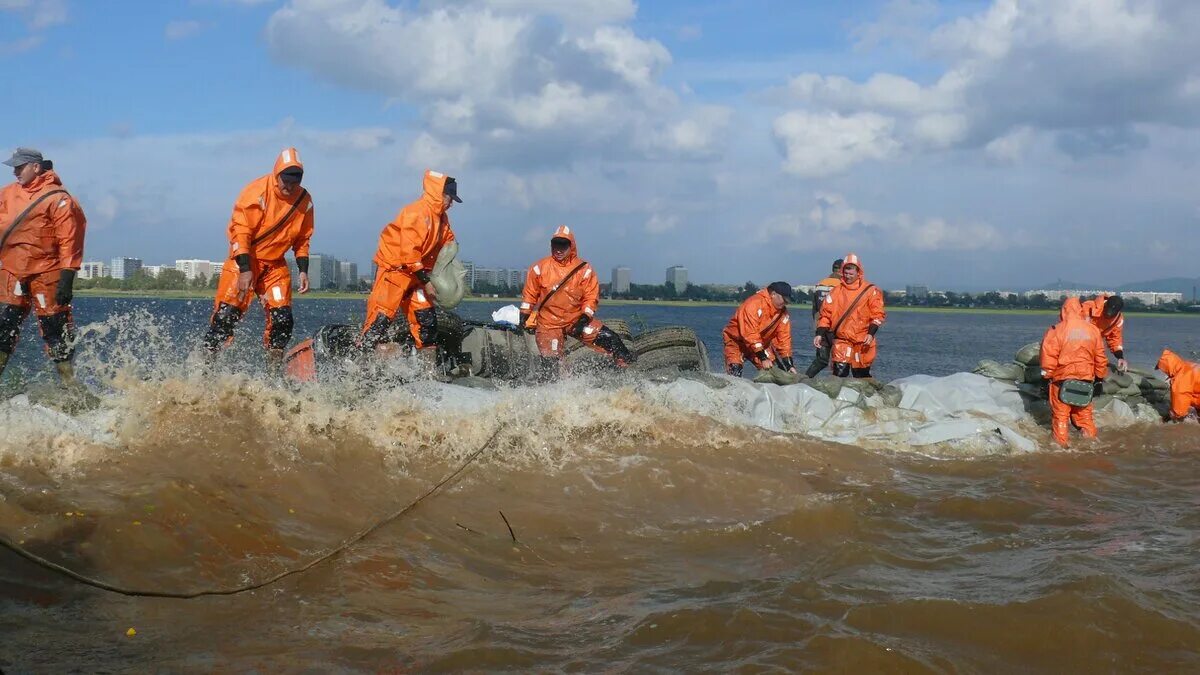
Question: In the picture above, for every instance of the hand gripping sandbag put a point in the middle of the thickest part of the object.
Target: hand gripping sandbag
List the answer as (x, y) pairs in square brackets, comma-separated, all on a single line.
[(447, 277)]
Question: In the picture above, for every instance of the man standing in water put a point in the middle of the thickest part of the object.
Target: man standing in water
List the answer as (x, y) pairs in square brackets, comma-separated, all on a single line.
[(760, 331), (1073, 361), (560, 299), (850, 316), (41, 249), (272, 215), (1105, 311), (821, 359), (408, 250)]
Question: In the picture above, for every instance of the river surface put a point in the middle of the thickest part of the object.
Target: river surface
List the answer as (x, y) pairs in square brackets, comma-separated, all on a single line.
[(603, 529)]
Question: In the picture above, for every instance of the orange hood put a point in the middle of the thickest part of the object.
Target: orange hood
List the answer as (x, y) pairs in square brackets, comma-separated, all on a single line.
[(434, 186), (565, 232), (288, 158), (1071, 309), (852, 259), (1170, 363)]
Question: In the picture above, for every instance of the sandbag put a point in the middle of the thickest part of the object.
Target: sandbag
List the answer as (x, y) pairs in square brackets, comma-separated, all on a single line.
[(777, 376), (1033, 375), (1010, 372), (500, 354), (828, 385), (447, 277), (1030, 354), (1119, 380)]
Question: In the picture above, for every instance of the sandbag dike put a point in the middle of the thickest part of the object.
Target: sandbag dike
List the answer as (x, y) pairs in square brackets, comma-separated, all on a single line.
[(1138, 390)]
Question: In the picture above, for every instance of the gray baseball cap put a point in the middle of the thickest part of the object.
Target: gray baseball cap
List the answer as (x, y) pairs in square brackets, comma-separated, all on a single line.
[(23, 156)]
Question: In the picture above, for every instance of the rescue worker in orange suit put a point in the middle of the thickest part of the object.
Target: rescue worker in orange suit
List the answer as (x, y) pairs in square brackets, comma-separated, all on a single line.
[(272, 215), (821, 360), (408, 250), (1105, 312), (1072, 350), (760, 331), (560, 298), (41, 249), (850, 316), (1184, 377)]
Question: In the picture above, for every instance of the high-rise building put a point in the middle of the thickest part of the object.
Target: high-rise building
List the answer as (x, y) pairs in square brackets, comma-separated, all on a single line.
[(323, 270), (348, 275), (195, 268), (916, 291), (516, 279), (677, 277), (93, 270), (469, 277), (125, 268), (153, 270), (621, 278)]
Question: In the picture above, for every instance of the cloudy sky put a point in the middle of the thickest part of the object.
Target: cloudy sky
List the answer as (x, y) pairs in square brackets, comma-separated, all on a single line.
[(963, 144)]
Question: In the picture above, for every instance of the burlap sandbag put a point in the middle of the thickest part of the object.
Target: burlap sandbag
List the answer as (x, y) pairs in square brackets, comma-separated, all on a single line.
[(777, 376), (1030, 354), (1010, 372), (447, 277)]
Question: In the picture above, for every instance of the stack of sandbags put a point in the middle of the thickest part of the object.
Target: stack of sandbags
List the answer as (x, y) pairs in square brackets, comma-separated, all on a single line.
[(1026, 367)]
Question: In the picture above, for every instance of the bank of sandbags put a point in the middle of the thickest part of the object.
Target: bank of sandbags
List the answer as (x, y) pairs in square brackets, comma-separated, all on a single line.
[(1138, 386)]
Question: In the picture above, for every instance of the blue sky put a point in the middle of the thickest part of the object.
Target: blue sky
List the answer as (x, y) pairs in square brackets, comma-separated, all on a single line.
[(969, 145)]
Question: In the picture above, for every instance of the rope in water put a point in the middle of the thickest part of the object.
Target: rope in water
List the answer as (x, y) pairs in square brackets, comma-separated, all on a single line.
[(96, 583)]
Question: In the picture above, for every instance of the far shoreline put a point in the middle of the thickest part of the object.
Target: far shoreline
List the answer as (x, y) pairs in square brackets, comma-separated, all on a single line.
[(207, 294)]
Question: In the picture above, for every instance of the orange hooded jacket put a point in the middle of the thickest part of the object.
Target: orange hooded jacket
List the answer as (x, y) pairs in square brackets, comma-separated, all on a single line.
[(412, 241), (580, 295), (50, 237), (1185, 382), (757, 325), (255, 227), (1072, 348), (1111, 328), (869, 311)]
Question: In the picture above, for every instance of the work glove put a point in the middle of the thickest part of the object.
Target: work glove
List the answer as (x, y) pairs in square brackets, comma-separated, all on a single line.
[(1097, 387), (66, 288), (580, 324), (785, 362), (524, 317)]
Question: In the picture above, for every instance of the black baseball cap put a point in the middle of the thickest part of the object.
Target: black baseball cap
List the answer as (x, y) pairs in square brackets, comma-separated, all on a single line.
[(782, 288), (451, 189)]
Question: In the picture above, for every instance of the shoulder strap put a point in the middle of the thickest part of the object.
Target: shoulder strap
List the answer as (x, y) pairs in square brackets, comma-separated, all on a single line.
[(560, 285), (275, 228), (849, 309), (771, 325), (21, 216)]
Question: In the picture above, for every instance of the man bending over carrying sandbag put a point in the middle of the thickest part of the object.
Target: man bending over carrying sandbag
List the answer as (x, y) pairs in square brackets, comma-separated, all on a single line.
[(408, 251), (760, 331), (560, 299)]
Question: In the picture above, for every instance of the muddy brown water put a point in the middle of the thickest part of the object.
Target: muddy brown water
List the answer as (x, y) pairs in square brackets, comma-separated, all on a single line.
[(646, 539)]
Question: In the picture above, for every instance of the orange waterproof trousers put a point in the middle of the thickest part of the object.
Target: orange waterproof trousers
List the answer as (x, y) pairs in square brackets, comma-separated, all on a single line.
[(1061, 413)]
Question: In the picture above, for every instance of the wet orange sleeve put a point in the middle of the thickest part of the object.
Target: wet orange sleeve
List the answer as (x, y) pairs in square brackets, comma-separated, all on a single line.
[(1050, 349), (69, 227), (244, 223), (1181, 396), (1115, 335), (825, 317), (306, 231), (411, 235), (749, 323), (1100, 359), (591, 291), (783, 337), (875, 307), (533, 290)]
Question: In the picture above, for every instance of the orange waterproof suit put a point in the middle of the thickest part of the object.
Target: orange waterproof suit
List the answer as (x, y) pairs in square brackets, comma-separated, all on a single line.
[(1072, 350), (1185, 383), (47, 240), (408, 247), (861, 318), (264, 226), (757, 330), (569, 310), (1111, 328)]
